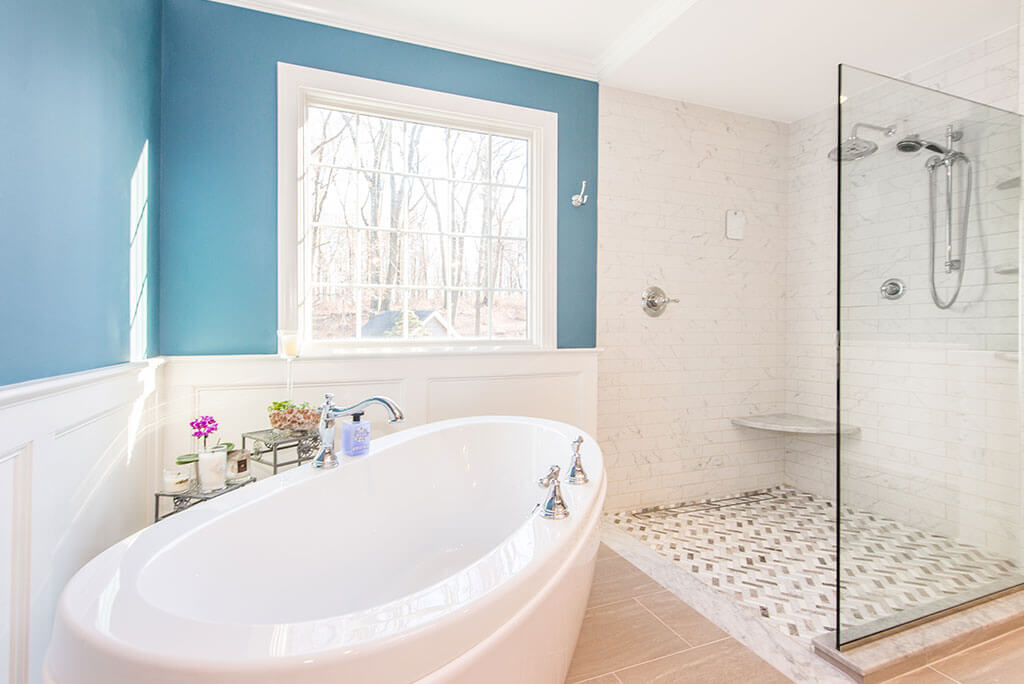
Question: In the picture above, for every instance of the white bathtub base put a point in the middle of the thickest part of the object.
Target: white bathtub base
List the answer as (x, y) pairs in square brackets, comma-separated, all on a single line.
[(538, 644)]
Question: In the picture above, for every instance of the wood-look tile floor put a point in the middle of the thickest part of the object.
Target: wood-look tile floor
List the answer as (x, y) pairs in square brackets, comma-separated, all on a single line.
[(997, 661), (637, 632)]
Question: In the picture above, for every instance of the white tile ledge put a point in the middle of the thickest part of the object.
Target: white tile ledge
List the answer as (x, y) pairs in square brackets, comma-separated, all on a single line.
[(791, 422)]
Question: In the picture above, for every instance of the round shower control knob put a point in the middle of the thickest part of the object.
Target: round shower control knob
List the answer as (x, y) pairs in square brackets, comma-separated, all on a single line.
[(655, 301), (893, 288)]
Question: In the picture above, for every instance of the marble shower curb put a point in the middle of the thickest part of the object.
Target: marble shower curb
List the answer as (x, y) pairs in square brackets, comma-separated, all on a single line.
[(896, 654), (790, 656)]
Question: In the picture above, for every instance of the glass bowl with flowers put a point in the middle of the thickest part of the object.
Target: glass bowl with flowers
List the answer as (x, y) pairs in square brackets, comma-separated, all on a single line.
[(287, 415)]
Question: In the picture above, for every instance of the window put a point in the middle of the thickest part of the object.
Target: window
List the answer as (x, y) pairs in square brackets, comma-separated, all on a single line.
[(419, 218)]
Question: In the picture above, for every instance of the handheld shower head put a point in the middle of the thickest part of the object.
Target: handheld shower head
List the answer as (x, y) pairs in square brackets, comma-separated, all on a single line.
[(913, 143)]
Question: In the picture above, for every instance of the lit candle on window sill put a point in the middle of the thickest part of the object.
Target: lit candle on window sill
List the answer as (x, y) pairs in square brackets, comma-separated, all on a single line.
[(287, 343)]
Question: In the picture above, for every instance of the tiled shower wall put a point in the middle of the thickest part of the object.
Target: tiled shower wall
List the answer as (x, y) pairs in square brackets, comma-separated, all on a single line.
[(937, 405), (755, 330), (669, 386)]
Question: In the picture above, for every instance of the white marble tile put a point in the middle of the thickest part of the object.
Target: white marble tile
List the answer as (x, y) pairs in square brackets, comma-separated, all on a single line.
[(668, 386)]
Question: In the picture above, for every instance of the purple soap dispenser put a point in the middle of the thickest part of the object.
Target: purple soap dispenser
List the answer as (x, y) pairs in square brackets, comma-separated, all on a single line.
[(355, 437)]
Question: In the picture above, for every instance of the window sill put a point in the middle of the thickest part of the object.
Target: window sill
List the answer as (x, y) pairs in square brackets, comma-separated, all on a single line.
[(417, 353), (428, 351)]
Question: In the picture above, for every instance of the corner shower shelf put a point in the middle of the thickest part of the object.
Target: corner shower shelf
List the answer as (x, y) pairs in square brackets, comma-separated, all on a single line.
[(790, 422)]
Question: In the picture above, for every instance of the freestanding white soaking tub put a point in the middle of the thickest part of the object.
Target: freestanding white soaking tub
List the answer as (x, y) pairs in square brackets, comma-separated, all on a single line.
[(425, 560)]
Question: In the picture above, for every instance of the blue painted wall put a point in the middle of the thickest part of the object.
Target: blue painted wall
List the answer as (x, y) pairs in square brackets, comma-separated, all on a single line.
[(218, 239), (81, 89)]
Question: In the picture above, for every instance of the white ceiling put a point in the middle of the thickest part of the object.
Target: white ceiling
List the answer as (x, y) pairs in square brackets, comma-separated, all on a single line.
[(770, 58)]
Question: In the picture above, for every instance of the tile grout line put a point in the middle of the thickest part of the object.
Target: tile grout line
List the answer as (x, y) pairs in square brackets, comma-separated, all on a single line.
[(689, 647), (667, 655), (655, 615), (631, 598), (942, 674), (931, 665)]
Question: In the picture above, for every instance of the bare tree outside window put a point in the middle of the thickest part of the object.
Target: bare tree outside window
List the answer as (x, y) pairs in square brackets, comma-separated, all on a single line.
[(414, 231)]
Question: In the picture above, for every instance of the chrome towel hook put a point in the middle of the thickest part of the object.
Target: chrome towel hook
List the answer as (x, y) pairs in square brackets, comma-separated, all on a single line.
[(655, 301), (580, 199)]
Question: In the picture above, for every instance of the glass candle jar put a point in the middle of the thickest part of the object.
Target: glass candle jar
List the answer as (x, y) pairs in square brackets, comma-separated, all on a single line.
[(212, 468), (237, 465), (177, 478)]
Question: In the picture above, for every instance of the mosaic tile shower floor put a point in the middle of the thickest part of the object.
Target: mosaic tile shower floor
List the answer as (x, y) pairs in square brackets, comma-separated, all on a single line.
[(774, 552)]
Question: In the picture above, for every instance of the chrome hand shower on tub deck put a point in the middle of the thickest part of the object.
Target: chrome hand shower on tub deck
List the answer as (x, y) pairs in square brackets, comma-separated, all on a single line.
[(945, 160)]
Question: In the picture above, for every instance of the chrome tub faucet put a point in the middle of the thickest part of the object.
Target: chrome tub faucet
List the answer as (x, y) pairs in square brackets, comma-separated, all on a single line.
[(577, 475), (554, 508), (329, 414)]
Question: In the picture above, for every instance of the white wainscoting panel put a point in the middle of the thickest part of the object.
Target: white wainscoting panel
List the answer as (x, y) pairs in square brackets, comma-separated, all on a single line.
[(236, 390), (7, 467), (548, 396), (77, 456)]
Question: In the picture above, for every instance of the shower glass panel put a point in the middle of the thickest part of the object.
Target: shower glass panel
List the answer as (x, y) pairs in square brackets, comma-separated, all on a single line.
[(929, 460)]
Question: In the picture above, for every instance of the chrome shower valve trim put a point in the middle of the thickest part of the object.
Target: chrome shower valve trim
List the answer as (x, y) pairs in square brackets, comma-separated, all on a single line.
[(655, 301)]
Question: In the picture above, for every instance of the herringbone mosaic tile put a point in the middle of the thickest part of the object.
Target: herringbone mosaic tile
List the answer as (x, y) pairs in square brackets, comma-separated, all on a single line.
[(774, 551)]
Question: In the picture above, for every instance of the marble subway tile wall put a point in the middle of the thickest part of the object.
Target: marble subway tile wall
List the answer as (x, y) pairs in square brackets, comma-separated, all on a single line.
[(668, 387), (934, 392), (810, 304), (927, 384)]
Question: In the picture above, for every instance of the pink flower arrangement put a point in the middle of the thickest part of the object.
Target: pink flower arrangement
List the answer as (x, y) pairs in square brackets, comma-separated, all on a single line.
[(203, 426)]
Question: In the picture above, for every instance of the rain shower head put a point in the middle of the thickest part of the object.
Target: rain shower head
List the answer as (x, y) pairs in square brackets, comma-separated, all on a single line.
[(913, 143), (852, 149), (855, 147)]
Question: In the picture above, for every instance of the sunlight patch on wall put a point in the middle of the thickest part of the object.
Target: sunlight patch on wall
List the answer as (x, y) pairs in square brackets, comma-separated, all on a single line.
[(138, 277)]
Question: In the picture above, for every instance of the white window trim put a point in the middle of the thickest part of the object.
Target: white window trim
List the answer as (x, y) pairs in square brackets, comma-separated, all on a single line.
[(297, 84)]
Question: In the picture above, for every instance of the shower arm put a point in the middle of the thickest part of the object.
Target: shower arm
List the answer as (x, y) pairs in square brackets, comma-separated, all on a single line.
[(888, 130)]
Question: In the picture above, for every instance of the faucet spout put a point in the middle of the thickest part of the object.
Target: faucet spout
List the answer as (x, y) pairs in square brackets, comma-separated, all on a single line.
[(395, 414), (329, 414)]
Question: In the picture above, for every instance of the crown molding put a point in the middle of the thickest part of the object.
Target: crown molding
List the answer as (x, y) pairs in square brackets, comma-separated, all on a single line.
[(637, 35), (565, 65)]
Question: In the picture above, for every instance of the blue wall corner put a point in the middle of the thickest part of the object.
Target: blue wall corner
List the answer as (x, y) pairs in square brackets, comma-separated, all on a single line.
[(81, 85), (218, 242)]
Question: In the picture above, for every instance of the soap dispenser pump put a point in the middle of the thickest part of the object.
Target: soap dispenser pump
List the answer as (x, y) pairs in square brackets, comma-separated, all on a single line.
[(355, 437)]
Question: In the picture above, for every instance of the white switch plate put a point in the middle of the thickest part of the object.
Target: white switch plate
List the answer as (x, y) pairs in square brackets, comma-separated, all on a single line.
[(735, 222)]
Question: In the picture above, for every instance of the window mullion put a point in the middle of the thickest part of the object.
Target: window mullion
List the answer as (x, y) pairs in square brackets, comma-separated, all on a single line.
[(489, 242), (360, 251), (403, 251)]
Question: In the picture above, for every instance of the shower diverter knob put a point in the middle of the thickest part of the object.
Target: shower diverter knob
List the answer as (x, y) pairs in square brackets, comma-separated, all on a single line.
[(893, 288), (655, 301)]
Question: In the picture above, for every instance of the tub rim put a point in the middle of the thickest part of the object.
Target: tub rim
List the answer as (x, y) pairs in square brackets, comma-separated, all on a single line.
[(192, 521)]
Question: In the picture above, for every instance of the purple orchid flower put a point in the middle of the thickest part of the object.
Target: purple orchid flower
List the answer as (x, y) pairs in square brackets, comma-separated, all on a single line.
[(203, 426)]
